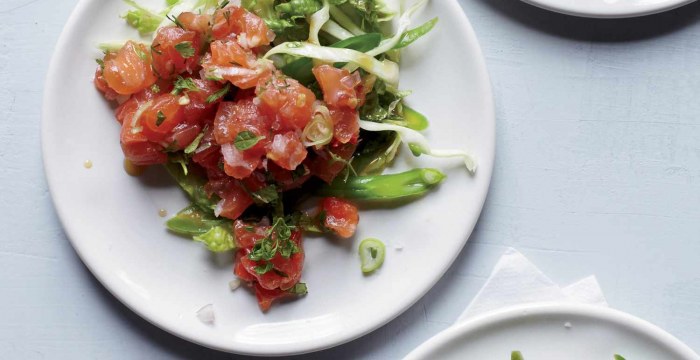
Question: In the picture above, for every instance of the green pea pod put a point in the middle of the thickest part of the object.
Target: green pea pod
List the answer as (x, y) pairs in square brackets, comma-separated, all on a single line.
[(394, 187), (192, 221), (414, 119), (193, 186), (300, 69)]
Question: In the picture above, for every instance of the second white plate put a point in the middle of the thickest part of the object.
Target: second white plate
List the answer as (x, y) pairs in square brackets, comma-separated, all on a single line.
[(609, 8), (554, 332)]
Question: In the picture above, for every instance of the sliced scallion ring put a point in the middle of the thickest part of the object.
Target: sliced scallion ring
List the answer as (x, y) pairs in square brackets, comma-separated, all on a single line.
[(371, 255)]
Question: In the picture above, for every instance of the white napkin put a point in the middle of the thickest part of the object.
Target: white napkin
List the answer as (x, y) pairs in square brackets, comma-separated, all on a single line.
[(516, 281)]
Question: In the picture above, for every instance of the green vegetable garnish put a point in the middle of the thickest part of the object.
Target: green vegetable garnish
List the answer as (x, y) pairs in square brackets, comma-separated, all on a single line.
[(299, 289), (192, 147), (182, 84), (414, 119), (192, 221), (412, 35), (516, 355), (618, 357), (300, 69), (372, 253), (160, 117), (277, 240), (246, 140), (185, 49), (403, 186), (266, 195), (142, 19), (193, 186), (217, 239), (219, 94)]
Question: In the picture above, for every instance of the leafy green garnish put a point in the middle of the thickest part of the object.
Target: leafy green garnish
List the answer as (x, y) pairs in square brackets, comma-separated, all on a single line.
[(185, 49), (155, 88), (194, 144), (182, 84), (246, 140), (516, 355), (192, 221), (277, 240), (286, 19), (160, 117), (193, 186), (266, 195), (101, 63), (219, 94), (618, 357), (217, 239), (263, 269), (142, 19)]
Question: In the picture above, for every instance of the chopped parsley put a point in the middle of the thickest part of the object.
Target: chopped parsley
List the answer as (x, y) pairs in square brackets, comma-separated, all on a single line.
[(182, 84)]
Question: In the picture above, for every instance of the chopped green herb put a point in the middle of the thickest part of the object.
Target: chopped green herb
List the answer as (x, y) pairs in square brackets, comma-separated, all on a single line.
[(174, 19), (223, 4), (182, 84), (160, 117), (264, 269), (277, 240), (154, 49), (101, 63), (185, 49), (246, 140), (516, 355), (266, 195), (619, 357), (219, 94), (192, 147), (155, 88)]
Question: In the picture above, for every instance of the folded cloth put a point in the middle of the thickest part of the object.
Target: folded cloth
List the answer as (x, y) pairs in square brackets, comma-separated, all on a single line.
[(517, 281)]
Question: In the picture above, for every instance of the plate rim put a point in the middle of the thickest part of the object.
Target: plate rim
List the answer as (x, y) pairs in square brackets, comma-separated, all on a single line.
[(486, 171), (509, 313), (607, 12)]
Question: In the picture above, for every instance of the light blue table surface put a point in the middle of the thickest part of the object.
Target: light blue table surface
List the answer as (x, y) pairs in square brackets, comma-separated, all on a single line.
[(597, 172)]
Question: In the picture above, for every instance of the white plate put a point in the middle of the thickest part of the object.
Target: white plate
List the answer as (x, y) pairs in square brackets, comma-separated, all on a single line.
[(112, 219), (609, 8), (554, 332)]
